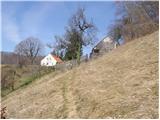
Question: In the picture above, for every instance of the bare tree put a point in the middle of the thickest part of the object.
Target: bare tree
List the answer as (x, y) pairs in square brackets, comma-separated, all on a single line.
[(59, 46), (79, 32), (86, 29), (30, 48), (137, 18)]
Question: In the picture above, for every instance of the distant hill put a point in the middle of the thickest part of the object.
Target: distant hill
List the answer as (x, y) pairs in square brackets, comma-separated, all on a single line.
[(8, 58), (12, 58), (121, 84)]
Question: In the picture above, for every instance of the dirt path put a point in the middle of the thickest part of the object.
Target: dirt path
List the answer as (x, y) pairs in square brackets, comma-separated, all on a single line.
[(69, 105), (71, 101)]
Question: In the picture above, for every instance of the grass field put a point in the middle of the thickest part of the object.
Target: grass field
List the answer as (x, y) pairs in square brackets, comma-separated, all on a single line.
[(120, 84)]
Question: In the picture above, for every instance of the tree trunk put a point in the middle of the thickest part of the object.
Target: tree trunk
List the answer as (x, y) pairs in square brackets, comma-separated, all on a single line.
[(79, 53), (79, 49)]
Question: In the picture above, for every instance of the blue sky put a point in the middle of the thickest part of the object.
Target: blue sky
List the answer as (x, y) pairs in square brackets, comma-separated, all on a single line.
[(44, 20)]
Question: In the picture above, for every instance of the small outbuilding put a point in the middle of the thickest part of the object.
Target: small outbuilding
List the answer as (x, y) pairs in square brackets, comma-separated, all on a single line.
[(50, 60)]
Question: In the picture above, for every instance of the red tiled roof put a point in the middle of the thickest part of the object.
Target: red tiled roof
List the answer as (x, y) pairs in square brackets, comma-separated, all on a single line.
[(57, 59)]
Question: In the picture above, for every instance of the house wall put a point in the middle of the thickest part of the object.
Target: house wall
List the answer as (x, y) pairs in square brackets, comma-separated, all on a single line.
[(48, 61), (103, 47)]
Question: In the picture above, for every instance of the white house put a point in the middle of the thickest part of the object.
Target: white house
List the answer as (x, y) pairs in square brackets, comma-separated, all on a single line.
[(50, 60)]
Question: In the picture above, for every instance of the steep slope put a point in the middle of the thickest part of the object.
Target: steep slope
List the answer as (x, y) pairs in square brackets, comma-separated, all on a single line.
[(121, 84)]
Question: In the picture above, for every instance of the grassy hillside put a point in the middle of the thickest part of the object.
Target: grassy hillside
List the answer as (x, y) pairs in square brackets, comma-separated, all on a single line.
[(22, 77), (121, 84)]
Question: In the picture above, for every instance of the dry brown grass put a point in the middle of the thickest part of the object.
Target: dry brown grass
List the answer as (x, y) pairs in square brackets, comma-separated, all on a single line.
[(121, 84)]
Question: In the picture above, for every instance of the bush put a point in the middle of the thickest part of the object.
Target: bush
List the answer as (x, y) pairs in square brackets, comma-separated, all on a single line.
[(28, 75)]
